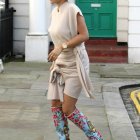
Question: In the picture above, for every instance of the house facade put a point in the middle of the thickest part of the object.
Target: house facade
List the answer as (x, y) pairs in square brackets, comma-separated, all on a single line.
[(104, 18)]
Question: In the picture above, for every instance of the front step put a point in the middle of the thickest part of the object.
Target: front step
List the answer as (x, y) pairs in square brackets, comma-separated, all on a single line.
[(108, 60), (106, 51), (99, 41)]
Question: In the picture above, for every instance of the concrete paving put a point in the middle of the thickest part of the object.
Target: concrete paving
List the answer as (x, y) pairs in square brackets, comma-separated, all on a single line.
[(25, 112)]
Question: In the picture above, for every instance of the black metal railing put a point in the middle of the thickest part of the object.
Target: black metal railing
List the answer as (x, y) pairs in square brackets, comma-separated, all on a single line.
[(6, 32)]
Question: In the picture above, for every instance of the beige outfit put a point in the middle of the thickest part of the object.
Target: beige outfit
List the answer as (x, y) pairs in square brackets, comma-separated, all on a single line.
[(69, 72)]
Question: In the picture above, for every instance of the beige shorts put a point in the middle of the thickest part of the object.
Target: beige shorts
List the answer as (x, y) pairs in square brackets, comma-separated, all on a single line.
[(72, 88)]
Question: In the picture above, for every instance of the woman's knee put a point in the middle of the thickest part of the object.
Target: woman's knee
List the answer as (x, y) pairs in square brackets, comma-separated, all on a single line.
[(67, 110), (56, 103)]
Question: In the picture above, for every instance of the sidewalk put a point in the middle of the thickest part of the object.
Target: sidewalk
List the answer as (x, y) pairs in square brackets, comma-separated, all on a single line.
[(25, 111)]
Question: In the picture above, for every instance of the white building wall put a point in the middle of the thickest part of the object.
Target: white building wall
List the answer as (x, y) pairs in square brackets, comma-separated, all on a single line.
[(134, 32), (122, 20), (21, 24)]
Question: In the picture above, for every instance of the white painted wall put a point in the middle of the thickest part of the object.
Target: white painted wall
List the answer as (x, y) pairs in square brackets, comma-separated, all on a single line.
[(122, 20), (134, 31), (21, 24)]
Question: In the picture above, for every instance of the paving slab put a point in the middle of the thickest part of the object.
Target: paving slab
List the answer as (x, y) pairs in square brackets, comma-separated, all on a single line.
[(119, 70), (119, 122), (25, 92), (2, 90), (18, 76)]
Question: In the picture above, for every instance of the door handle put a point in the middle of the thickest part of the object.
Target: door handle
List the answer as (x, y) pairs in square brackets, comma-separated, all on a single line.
[(96, 5)]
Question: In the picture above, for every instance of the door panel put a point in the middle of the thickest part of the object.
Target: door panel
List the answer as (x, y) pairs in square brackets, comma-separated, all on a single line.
[(89, 20), (105, 21)]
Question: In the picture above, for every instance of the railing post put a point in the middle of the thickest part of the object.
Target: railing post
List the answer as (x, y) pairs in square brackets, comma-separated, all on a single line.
[(6, 4)]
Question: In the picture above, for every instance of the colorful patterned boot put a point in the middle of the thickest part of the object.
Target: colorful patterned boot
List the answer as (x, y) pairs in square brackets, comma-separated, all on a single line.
[(84, 124), (61, 123)]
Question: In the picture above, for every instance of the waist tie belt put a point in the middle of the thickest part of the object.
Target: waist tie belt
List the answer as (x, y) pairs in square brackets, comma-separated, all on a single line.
[(58, 81)]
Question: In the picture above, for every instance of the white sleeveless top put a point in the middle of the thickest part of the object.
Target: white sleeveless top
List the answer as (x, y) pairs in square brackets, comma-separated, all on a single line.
[(63, 22)]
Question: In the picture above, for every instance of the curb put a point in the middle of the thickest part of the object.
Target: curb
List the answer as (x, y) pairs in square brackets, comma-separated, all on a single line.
[(119, 122)]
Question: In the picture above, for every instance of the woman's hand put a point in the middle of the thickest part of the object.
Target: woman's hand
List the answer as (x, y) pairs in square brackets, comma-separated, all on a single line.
[(55, 53)]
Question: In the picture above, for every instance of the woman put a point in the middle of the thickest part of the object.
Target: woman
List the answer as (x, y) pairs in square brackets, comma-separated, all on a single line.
[(69, 71)]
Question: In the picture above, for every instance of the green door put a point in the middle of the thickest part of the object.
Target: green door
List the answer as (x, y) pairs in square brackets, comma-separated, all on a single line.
[(100, 16)]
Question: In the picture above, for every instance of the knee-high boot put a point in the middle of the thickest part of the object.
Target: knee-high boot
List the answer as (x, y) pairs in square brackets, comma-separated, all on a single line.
[(84, 124), (61, 123)]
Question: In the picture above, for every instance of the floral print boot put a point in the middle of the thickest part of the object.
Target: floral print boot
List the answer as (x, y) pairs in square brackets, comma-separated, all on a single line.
[(84, 124), (61, 123)]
